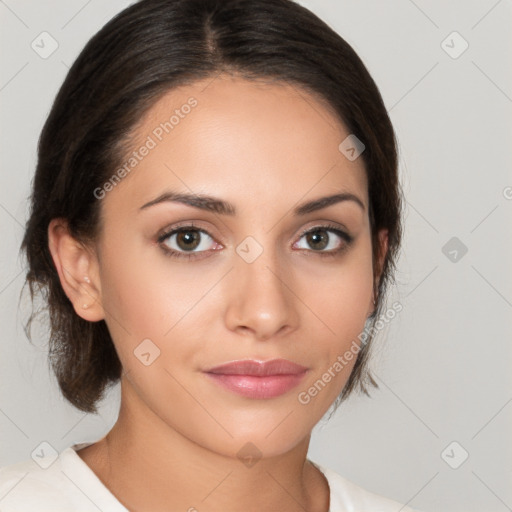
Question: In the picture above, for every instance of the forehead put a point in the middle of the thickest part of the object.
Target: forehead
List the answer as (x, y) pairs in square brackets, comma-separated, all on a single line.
[(248, 142)]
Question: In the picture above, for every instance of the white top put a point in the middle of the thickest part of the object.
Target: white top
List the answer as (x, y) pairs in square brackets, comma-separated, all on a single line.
[(65, 483)]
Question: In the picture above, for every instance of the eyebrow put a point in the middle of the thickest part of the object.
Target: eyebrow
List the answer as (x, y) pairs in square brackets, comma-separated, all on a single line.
[(213, 204)]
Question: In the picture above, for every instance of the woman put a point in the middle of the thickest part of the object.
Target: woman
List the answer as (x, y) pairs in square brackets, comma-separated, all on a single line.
[(215, 219)]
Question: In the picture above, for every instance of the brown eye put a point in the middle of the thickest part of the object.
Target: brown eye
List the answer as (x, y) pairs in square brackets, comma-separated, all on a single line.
[(188, 239), (318, 239), (325, 239)]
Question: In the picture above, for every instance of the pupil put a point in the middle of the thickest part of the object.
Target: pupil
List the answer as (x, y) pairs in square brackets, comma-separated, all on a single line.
[(188, 237), (315, 236)]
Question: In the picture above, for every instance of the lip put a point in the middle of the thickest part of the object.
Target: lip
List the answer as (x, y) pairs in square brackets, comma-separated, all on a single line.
[(258, 379)]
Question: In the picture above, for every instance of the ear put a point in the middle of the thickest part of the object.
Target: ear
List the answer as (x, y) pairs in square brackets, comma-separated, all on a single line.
[(77, 266), (383, 250), (378, 267)]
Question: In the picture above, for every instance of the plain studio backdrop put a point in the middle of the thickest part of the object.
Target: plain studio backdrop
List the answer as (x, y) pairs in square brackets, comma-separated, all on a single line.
[(437, 432)]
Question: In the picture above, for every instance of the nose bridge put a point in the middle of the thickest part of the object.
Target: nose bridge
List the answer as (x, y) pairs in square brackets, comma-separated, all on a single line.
[(261, 300)]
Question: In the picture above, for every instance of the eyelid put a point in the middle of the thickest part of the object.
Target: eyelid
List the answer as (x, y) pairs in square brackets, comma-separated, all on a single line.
[(169, 230), (325, 224)]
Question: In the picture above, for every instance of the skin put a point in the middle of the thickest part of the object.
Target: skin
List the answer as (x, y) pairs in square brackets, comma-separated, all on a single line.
[(266, 148)]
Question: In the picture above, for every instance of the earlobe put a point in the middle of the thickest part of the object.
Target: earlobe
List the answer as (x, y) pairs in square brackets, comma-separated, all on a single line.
[(77, 269)]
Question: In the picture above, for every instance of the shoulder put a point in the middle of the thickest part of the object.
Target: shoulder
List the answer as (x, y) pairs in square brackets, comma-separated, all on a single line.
[(31, 485), (54, 482), (348, 496)]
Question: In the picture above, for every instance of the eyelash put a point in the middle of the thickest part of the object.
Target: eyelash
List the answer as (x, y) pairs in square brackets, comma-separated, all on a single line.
[(191, 227)]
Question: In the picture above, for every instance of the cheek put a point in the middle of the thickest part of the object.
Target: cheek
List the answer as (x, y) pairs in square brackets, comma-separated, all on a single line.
[(341, 294), (140, 289), (146, 296), (340, 299), (133, 302)]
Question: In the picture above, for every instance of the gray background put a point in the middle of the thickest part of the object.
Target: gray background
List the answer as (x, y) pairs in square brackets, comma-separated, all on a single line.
[(443, 364)]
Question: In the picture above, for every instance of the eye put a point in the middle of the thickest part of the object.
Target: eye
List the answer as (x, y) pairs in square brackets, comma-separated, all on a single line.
[(319, 239), (186, 242), (190, 242)]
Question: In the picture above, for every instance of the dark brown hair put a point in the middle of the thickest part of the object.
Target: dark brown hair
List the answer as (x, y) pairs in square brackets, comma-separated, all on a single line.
[(146, 50)]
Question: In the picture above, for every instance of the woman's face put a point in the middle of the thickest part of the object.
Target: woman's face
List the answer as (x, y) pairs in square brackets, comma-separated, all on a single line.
[(244, 282)]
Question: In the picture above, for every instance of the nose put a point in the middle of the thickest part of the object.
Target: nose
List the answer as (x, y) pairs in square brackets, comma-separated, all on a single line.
[(261, 299)]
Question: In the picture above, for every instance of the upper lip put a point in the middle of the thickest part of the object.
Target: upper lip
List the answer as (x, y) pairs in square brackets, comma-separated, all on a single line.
[(258, 368)]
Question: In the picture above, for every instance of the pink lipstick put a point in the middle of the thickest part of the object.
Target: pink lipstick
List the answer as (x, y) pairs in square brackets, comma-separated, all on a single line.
[(258, 379)]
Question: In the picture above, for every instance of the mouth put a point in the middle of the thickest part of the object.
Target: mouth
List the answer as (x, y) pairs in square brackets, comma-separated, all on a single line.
[(258, 379)]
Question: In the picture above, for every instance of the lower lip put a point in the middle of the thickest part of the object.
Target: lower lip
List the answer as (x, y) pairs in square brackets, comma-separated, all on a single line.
[(258, 387)]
